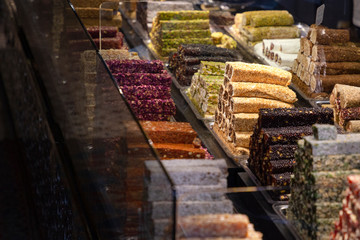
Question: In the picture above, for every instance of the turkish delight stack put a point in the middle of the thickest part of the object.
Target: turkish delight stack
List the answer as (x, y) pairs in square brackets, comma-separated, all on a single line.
[(111, 38), (118, 54), (318, 184), (175, 140), (246, 89), (173, 28), (205, 85), (254, 26), (346, 102), (146, 86), (146, 11), (222, 40), (200, 187), (274, 142), (347, 227), (326, 57), (91, 11), (186, 61), (282, 52)]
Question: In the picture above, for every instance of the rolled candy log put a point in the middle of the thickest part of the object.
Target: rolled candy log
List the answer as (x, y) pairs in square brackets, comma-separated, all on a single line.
[(259, 33), (326, 36), (206, 50), (129, 79), (285, 60), (252, 105), (261, 90), (247, 16), (289, 45), (324, 53), (276, 152), (146, 92), (350, 113), (320, 83), (334, 68), (169, 132), (284, 135), (353, 126), (280, 166), (247, 72), (275, 19), (242, 139), (349, 96), (244, 122)]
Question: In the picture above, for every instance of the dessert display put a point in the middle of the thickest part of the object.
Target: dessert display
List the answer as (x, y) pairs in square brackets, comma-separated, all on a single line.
[(279, 52), (253, 26), (174, 140), (318, 185), (91, 11), (189, 177), (246, 89), (326, 57), (146, 86), (186, 61), (173, 28), (274, 142), (346, 102), (205, 85), (111, 38), (347, 227), (146, 11)]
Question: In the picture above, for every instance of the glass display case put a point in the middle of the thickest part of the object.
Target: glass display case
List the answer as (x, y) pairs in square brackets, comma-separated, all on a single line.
[(106, 94)]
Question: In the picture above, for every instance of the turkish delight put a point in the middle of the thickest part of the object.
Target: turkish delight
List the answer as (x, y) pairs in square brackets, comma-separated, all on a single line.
[(164, 106), (135, 66), (145, 92), (252, 105), (138, 79)]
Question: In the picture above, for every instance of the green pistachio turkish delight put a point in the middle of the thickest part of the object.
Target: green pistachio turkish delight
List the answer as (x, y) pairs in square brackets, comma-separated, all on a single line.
[(182, 15), (212, 68), (185, 25), (174, 43)]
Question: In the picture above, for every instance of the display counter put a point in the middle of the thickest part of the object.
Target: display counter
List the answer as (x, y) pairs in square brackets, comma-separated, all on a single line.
[(104, 96)]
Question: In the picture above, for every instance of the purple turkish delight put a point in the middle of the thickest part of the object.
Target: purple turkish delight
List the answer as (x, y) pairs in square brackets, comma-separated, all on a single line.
[(144, 92), (135, 66), (164, 106), (138, 79)]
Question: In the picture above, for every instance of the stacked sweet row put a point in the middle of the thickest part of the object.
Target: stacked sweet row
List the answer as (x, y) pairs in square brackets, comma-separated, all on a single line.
[(346, 102), (90, 11), (349, 217), (146, 11), (170, 29), (186, 61), (146, 85), (200, 187), (323, 162), (254, 26), (111, 38), (326, 57), (175, 140), (247, 88), (205, 85), (274, 142), (283, 52)]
